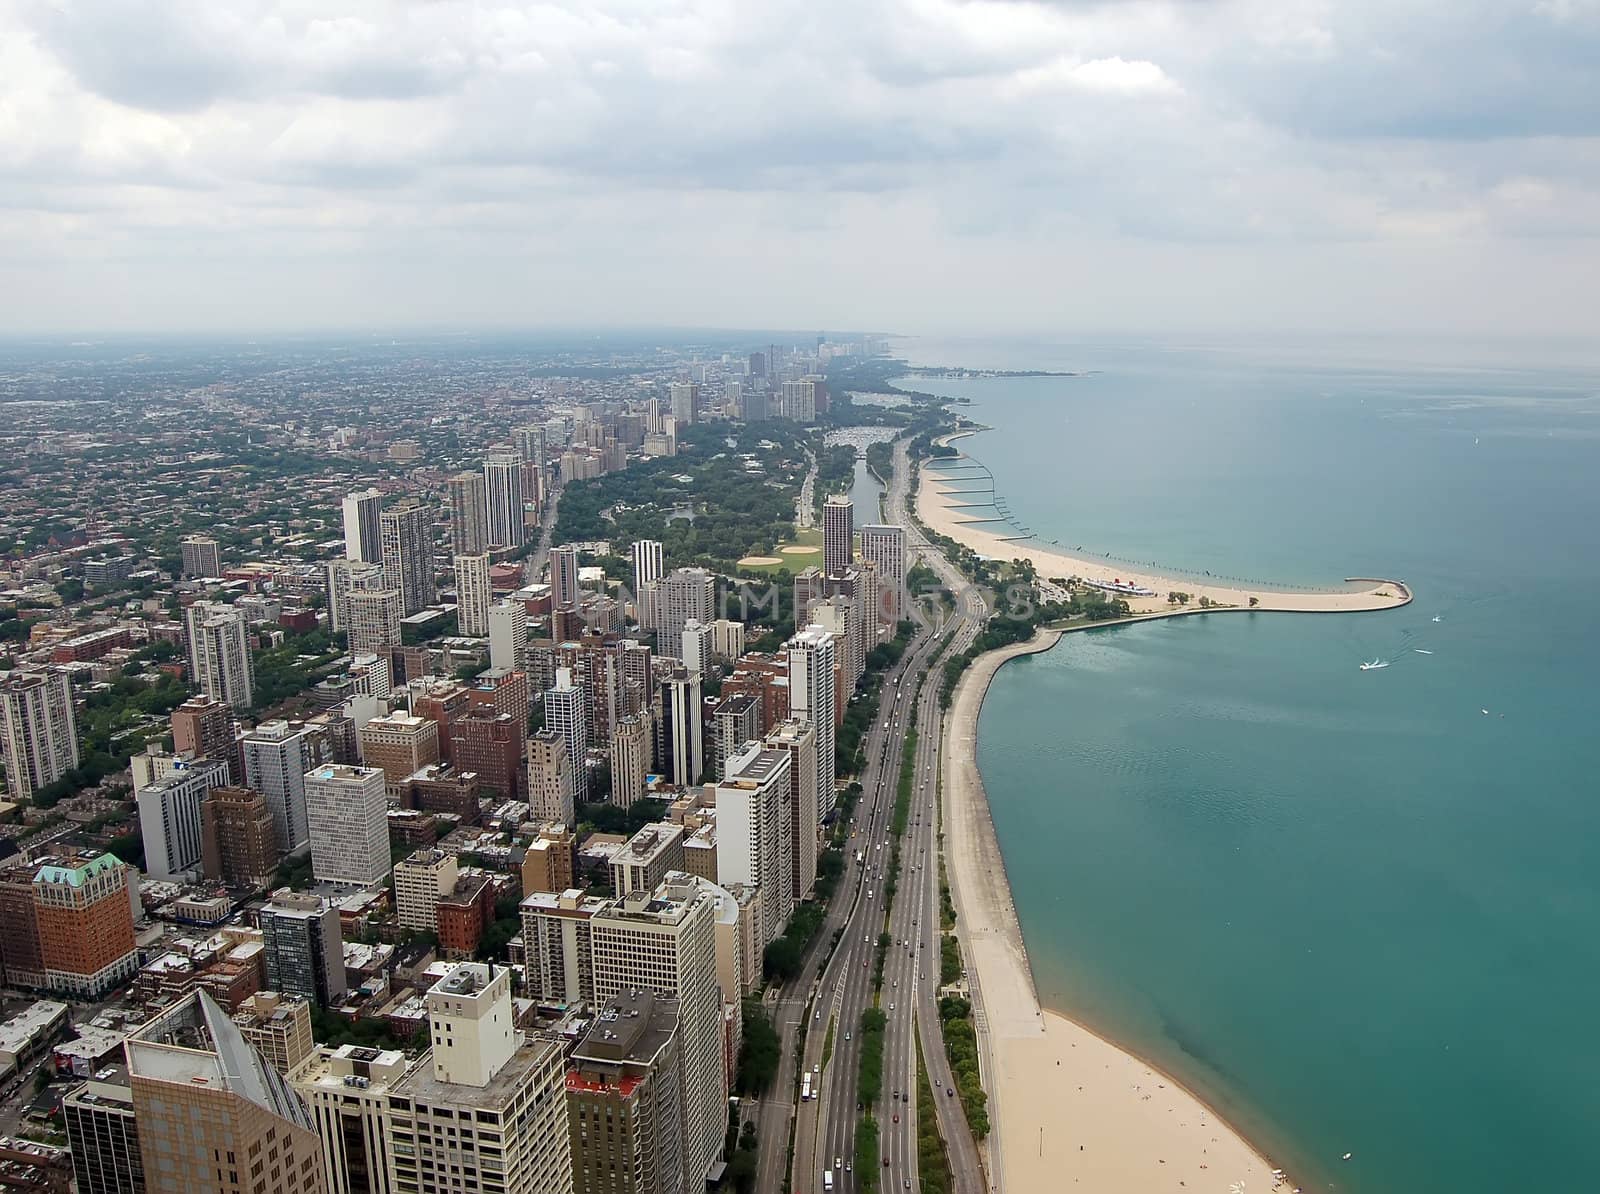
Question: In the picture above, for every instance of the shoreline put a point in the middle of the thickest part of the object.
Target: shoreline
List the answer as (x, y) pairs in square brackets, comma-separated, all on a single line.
[(936, 506), (1064, 1100)]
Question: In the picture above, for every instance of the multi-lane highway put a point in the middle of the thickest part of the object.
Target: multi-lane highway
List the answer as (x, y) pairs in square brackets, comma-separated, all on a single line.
[(837, 991), (825, 1135)]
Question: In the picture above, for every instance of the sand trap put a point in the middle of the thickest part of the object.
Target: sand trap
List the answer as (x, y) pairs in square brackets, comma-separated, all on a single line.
[(759, 561), (801, 551)]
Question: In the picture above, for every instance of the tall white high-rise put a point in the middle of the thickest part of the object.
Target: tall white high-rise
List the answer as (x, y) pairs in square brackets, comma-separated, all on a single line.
[(754, 847), (563, 576), (649, 563), (885, 546), (372, 619), (40, 735), (347, 810), (508, 635), (219, 653), (474, 596), (170, 818), (361, 533), (799, 739), (406, 532), (696, 654), (344, 578), (683, 594), (838, 525), (502, 474), (277, 756), (811, 698), (665, 941), (566, 712), (469, 514)]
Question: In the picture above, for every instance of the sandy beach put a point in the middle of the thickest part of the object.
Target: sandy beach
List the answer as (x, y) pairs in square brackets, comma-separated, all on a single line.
[(939, 507), (1068, 1110)]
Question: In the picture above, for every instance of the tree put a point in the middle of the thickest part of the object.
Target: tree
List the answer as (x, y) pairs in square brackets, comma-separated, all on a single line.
[(1254, 601)]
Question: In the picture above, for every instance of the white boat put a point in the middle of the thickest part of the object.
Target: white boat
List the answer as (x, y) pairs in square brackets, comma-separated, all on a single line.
[(1438, 618), (1374, 665), (1420, 651)]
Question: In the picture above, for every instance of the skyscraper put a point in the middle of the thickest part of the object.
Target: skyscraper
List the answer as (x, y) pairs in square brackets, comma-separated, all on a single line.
[(474, 596), (508, 634), (346, 577), (348, 813), (372, 619), (798, 738), (104, 1138), (665, 941), (201, 555), (40, 735), (84, 922), (838, 524), (304, 950), (469, 514), (630, 759), (170, 821), (204, 729), (348, 1090), (362, 537), (502, 473), (550, 781), (885, 546), (509, 1087), (566, 712), (625, 1099), (563, 576), (680, 738), (811, 693), (406, 536), (683, 595), (277, 755), (648, 563), (753, 832), (685, 402), (212, 1114), (238, 840), (219, 653), (696, 653)]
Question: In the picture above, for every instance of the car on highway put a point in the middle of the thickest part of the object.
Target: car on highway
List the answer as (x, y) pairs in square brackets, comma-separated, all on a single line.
[(896, 1117)]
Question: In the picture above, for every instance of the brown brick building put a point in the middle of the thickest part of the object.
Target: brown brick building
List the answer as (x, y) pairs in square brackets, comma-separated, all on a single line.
[(489, 744), (463, 916), (238, 838)]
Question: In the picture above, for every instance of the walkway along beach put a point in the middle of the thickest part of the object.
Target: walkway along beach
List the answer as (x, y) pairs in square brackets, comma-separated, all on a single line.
[(1068, 1109)]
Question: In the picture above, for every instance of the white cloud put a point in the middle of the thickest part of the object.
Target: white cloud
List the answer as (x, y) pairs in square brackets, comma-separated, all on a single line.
[(800, 161)]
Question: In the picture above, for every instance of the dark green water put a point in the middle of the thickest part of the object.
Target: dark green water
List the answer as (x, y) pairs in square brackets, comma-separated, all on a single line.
[(1353, 910)]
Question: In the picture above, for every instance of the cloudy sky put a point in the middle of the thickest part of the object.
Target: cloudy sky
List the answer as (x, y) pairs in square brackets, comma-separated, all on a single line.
[(915, 165)]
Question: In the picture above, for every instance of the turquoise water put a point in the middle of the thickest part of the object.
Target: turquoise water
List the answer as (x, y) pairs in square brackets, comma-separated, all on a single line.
[(1350, 908)]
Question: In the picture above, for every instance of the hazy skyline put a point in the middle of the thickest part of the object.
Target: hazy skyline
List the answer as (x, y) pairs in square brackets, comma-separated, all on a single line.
[(914, 165)]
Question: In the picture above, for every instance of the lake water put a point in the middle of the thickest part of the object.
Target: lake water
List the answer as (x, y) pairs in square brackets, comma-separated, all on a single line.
[(1355, 911)]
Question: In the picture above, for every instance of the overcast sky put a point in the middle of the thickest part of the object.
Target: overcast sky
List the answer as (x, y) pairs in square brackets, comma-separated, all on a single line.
[(908, 165)]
